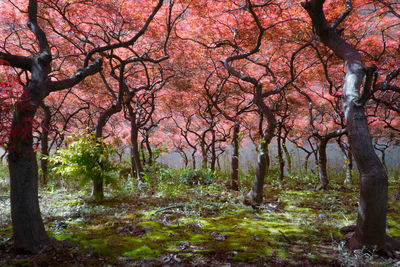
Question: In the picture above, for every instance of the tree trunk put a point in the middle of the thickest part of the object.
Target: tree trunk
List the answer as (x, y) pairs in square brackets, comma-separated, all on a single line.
[(185, 159), (288, 157), (150, 162), (44, 144), (28, 229), (213, 152), (203, 155), (194, 159), (383, 157), (306, 161), (280, 156), (235, 158), (322, 162), (135, 151), (142, 152), (371, 223), (255, 196), (97, 188)]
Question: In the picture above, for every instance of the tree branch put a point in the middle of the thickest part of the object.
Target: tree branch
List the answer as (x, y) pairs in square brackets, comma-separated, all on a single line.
[(79, 76)]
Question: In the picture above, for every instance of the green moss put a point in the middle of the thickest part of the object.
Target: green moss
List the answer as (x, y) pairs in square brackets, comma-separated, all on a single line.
[(143, 252), (23, 263)]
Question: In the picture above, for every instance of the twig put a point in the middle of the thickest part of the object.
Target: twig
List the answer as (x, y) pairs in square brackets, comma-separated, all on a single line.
[(170, 207), (286, 238)]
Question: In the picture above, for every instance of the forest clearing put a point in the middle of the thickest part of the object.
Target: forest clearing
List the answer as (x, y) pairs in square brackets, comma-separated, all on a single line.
[(94, 93), (167, 223)]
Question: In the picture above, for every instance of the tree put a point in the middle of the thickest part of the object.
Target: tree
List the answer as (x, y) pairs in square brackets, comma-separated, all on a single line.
[(30, 237), (371, 223), (230, 98)]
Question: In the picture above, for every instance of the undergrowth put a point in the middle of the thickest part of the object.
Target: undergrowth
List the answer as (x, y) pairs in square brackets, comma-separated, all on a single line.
[(190, 217)]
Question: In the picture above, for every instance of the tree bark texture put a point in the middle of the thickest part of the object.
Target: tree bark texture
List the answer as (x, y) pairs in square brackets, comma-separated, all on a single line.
[(98, 183), (149, 150), (255, 196), (213, 152), (28, 229), (322, 164), (135, 150), (194, 159), (288, 157), (280, 154), (44, 144), (234, 183), (371, 223)]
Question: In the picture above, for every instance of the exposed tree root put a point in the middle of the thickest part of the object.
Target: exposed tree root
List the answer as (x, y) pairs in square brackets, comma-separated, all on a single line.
[(352, 243)]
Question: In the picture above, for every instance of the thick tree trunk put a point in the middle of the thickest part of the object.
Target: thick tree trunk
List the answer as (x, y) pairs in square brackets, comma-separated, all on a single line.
[(44, 144), (97, 190), (234, 183), (28, 229), (322, 162), (371, 223)]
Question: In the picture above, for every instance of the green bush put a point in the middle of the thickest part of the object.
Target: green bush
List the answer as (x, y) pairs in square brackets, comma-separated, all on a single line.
[(196, 177), (4, 180), (85, 159)]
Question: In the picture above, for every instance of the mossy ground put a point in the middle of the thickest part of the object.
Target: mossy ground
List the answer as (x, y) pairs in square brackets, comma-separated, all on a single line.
[(204, 225)]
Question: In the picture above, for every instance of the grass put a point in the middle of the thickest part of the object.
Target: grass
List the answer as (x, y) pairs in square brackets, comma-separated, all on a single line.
[(182, 224)]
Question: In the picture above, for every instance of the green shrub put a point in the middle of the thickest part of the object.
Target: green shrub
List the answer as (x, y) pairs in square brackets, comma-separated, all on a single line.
[(198, 176), (4, 180), (85, 159)]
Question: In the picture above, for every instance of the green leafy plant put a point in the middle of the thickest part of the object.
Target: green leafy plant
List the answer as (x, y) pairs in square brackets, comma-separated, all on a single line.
[(198, 176), (86, 159)]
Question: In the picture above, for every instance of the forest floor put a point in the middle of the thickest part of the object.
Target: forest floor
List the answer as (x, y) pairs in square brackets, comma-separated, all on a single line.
[(202, 225)]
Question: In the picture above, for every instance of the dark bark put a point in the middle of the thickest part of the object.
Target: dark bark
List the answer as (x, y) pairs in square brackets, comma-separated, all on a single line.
[(280, 154), (28, 229), (142, 152), (287, 155), (148, 147), (97, 189), (44, 144), (306, 159), (371, 223), (255, 196), (322, 162), (29, 234), (194, 159), (213, 152), (135, 150), (234, 182), (203, 153)]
